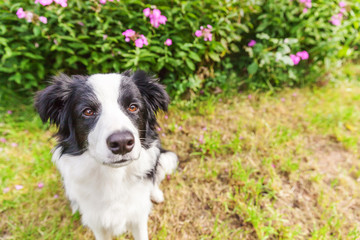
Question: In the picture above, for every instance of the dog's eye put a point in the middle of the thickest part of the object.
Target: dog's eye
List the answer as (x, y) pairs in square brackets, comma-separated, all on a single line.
[(88, 112), (132, 108)]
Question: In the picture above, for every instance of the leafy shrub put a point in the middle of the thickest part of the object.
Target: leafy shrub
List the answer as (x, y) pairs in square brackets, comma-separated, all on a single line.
[(195, 47), (283, 28), (87, 37)]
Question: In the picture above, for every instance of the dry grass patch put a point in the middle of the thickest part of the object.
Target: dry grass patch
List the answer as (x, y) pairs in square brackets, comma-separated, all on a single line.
[(264, 166)]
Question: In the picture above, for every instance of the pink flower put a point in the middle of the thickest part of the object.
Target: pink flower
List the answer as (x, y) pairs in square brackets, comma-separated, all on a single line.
[(209, 26), (56, 196), (105, 36), (201, 139), (29, 16), (9, 112), (249, 96), (102, 1), (36, 45), (158, 129), (43, 19), (14, 144), (129, 33), (303, 55), (139, 43), (302, 1), (44, 2), (282, 99), (168, 42), (198, 33), (155, 17), (40, 185), (144, 39), (342, 10), (20, 13), (18, 187), (336, 20), (162, 19), (156, 13), (295, 59), (308, 4), (251, 43), (342, 4), (207, 34), (146, 12), (180, 128), (63, 3), (3, 140), (166, 116), (305, 10), (5, 190)]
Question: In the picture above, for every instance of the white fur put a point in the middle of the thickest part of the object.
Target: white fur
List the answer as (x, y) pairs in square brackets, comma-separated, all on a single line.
[(112, 200), (168, 163), (112, 118)]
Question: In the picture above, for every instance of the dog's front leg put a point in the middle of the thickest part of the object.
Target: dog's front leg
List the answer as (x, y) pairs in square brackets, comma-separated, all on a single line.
[(101, 234), (139, 229)]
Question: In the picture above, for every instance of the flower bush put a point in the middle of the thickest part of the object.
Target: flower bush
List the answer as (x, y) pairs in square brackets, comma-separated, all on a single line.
[(85, 37), (189, 44), (296, 41)]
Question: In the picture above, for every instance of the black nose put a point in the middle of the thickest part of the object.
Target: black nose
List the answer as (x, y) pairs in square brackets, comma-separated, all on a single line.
[(121, 142)]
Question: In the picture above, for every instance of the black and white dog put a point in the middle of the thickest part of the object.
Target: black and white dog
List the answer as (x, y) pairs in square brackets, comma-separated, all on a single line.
[(109, 154)]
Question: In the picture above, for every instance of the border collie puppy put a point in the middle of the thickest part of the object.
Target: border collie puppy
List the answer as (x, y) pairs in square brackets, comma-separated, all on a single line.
[(108, 151)]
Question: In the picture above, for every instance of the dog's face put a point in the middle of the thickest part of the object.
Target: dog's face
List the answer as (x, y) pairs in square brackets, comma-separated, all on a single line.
[(112, 116)]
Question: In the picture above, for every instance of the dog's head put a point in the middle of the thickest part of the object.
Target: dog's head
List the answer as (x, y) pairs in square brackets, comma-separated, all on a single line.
[(112, 116)]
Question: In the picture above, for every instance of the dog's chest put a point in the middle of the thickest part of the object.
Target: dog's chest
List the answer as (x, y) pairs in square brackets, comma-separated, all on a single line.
[(105, 196)]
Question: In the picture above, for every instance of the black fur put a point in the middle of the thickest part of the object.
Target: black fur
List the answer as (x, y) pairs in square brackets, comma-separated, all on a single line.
[(65, 99), (62, 103)]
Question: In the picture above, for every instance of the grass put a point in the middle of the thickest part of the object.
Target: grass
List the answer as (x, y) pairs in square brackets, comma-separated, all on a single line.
[(269, 166)]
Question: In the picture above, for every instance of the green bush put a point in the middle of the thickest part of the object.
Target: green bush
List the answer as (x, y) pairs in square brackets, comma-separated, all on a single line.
[(86, 37), (282, 28)]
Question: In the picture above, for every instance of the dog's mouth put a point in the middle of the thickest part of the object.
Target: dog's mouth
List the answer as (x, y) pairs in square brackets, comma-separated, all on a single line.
[(121, 162)]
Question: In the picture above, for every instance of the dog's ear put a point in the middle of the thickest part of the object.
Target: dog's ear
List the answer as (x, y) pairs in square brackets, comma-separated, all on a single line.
[(154, 94), (51, 101)]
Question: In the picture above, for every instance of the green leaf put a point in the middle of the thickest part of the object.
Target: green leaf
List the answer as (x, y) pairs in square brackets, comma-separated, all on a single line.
[(234, 47), (194, 56), (190, 64), (252, 68), (214, 56), (16, 77)]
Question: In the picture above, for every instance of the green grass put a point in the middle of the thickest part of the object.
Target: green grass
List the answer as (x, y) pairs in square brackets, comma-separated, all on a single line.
[(273, 166)]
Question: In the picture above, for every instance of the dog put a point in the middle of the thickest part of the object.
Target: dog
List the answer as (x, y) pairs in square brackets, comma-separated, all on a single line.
[(109, 153)]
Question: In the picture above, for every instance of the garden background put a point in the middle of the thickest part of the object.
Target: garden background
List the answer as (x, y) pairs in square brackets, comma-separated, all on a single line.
[(265, 112)]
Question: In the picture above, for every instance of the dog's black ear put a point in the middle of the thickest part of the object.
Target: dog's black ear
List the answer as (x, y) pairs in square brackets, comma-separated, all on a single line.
[(153, 93), (51, 101)]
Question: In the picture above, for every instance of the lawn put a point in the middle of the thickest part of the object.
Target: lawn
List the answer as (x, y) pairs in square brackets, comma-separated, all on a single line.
[(252, 166)]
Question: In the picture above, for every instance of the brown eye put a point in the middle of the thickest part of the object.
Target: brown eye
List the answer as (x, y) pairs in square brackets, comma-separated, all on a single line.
[(88, 112), (132, 108)]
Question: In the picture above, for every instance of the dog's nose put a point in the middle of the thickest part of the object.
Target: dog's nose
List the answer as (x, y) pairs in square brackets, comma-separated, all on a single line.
[(121, 142)]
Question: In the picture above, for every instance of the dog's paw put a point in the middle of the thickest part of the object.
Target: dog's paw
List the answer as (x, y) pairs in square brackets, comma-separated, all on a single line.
[(157, 195), (74, 206), (168, 162)]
